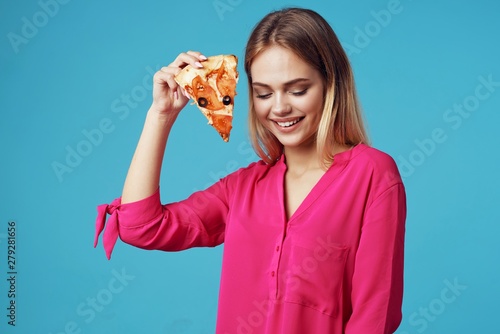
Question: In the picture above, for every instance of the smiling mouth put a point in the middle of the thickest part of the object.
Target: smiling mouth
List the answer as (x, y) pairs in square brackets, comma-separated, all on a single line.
[(289, 123)]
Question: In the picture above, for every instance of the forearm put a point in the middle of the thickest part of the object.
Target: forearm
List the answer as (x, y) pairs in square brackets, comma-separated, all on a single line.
[(144, 172)]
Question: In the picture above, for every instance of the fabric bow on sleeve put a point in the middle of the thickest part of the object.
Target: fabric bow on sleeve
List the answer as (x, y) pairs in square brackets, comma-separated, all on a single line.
[(111, 234)]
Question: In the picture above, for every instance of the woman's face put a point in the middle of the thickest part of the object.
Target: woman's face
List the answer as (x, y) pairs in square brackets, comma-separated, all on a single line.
[(287, 96)]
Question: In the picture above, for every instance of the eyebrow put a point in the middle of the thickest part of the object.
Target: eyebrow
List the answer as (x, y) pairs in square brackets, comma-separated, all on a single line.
[(288, 83)]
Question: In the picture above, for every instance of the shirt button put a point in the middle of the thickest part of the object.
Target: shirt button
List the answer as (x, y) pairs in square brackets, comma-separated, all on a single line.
[(272, 273), (277, 248)]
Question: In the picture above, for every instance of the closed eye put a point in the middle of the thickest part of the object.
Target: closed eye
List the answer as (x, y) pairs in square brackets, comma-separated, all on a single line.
[(263, 96), (300, 93), (294, 93)]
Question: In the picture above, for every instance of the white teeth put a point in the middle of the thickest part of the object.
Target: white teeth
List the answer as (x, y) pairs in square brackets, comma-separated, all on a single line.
[(287, 124)]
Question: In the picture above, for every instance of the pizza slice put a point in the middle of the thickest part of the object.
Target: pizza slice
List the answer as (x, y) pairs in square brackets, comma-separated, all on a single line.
[(213, 88)]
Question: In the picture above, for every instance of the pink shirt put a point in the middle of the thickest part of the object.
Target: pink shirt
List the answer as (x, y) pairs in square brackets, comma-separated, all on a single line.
[(336, 266)]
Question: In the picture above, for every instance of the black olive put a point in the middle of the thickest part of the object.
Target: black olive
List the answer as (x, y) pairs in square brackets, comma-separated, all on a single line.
[(226, 100), (202, 102)]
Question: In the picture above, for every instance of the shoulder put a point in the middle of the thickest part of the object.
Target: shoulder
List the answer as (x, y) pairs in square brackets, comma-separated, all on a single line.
[(246, 179), (374, 157), (254, 170), (380, 165)]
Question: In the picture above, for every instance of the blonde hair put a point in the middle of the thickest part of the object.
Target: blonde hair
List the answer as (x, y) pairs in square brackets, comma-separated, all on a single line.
[(311, 38)]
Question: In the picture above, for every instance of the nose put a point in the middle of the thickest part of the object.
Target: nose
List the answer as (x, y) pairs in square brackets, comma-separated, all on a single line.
[(281, 106)]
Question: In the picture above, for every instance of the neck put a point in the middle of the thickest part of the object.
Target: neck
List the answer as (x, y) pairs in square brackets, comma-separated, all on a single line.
[(301, 159)]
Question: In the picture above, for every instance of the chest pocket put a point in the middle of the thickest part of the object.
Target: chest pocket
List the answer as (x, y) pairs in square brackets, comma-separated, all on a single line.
[(315, 275)]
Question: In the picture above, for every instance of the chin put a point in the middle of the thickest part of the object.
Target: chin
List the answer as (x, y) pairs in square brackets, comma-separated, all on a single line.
[(296, 142)]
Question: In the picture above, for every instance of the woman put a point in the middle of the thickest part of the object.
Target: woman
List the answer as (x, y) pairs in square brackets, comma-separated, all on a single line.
[(314, 232)]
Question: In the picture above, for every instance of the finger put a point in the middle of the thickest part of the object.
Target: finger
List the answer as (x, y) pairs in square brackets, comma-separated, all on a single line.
[(165, 77), (197, 54), (185, 59), (168, 75), (184, 92), (171, 70)]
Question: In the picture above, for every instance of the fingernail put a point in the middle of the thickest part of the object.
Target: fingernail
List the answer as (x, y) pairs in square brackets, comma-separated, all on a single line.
[(202, 57), (176, 95), (198, 64)]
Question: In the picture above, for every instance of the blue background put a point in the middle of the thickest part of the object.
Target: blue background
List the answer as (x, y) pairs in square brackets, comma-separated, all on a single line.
[(72, 74)]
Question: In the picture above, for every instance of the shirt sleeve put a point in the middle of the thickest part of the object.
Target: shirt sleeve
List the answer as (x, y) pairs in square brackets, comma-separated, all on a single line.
[(198, 221), (377, 283)]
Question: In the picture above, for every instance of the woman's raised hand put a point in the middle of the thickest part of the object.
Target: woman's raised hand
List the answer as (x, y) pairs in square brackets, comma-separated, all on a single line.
[(168, 97)]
